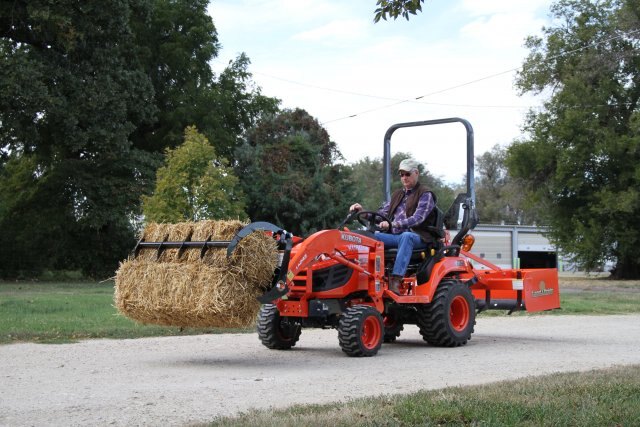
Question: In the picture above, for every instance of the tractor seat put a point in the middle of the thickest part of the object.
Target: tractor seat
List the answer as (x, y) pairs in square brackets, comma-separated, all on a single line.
[(416, 255)]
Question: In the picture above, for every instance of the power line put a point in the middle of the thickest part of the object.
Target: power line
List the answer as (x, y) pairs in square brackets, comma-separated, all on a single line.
[(482, 78), (397, 101)]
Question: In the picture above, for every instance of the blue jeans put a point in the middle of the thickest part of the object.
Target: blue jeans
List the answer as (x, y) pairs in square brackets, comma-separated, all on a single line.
[(405, 242)]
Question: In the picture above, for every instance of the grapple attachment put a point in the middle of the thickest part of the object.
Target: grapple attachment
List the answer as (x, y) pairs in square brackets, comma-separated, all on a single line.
[(203, 246), (198, 274)]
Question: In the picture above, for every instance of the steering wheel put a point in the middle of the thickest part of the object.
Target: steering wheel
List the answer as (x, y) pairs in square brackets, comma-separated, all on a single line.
[(368, 220)]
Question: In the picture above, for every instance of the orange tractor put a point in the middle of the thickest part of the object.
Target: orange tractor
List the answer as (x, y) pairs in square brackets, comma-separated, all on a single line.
[(339, 278)]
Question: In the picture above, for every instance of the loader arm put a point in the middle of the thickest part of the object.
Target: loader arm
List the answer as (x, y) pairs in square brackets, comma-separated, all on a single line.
[(334, 244)]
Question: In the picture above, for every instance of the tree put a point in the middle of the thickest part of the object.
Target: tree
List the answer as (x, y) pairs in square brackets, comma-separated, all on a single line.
[(581, 154), (194, 184), (288, 169), (72, 92), (178, 40), (499, 196), (91, 93), (395, 8)]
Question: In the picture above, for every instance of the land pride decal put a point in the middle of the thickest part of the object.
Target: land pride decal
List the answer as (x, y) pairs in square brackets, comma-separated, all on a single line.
[(543, 291)]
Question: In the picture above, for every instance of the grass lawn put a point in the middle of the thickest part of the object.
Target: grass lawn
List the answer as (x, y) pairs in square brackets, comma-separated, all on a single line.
[(56, 312), (52, 312), (608, 397)]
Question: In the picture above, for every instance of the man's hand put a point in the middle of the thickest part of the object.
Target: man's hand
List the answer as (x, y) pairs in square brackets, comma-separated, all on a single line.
[(357, 207), (384, 225)]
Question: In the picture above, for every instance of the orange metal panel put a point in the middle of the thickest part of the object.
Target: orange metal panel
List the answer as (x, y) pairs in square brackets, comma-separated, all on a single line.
[(292, 308), (541, 291)]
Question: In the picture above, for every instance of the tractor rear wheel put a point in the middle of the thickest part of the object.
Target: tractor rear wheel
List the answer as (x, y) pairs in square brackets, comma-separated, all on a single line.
[(449, 319), (360, 331), (392, 326), (275, 332)]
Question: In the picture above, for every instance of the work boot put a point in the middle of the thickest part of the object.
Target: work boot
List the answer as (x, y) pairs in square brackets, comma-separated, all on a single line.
[(394, 284)]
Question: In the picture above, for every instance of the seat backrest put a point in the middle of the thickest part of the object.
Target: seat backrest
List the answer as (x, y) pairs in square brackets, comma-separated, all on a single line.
[(469, 217), (435, 223), (453, 214)]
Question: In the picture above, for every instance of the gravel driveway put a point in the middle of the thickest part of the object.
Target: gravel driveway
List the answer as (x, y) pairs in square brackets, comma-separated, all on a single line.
[(182, 380)]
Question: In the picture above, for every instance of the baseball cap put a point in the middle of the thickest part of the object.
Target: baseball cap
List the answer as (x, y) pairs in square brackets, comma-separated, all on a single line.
[(408, 165)]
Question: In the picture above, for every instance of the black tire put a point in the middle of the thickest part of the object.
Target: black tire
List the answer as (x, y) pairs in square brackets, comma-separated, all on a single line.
[(275, 333), (392, 326), (449, 319), (360, 331)]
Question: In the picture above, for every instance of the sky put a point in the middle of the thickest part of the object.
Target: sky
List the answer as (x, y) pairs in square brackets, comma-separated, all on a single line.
[(329, 58)]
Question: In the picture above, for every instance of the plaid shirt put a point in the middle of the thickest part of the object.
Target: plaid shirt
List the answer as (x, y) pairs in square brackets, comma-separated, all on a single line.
[(400, 222)]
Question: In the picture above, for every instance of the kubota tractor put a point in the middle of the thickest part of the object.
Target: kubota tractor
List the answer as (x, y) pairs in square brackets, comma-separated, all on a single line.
[(339, 278)]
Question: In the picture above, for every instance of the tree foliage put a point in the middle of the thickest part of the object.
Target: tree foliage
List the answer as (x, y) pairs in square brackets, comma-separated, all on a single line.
[(395, 8), (72, 92), (288, 169), (194, 184), (499, 196), (581, 156), (91, 93), (178, 40)]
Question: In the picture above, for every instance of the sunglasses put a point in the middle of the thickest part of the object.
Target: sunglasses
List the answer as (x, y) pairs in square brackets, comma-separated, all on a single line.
[(405, 174)]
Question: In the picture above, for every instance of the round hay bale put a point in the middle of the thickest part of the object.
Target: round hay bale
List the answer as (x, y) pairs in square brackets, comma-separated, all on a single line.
[(188, 291)]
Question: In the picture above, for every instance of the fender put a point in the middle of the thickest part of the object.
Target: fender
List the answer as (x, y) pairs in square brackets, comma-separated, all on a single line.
[(446, 267)]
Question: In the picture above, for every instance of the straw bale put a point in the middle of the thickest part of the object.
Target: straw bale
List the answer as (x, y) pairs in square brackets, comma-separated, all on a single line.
[(215, 291)]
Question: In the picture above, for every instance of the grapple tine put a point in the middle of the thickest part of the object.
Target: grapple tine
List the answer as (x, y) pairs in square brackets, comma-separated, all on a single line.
[(137, 249), (161, 247), (183, 246), (205, 247)]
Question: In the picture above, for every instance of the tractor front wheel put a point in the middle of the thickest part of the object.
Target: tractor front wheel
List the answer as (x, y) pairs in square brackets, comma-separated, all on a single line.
[(275, 332), (360, 331), (449, 319)]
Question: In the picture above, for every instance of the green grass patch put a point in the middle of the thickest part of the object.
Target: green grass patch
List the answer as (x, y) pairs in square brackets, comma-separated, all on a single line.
[(586, 302), (58, 312), (599, 302), (66, 311), (609, 397)]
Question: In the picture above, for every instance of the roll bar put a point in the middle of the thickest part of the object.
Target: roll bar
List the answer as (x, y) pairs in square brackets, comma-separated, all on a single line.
[(471, 191), (467, 201)]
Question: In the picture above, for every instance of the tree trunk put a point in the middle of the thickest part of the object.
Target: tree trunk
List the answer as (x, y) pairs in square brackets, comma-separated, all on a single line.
[(626, 268)]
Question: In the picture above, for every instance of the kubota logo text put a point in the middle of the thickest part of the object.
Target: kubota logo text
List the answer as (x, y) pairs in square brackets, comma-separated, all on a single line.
[(301, 261), (350, 238)]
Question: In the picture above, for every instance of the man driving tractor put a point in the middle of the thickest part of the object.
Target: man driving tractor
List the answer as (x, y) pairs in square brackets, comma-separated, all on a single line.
[(409, 210)]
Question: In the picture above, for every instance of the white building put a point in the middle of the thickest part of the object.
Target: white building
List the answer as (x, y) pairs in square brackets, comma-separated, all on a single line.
[(515, 246)]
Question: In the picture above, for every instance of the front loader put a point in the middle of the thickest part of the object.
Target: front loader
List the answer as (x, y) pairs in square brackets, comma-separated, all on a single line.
[(339, 278)]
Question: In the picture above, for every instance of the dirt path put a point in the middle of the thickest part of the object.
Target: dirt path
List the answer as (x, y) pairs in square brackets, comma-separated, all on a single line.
[(181, 380)]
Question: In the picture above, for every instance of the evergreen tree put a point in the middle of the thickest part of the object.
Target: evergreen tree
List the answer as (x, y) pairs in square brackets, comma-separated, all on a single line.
[(194, 184), (91, 93), (288, 170)]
